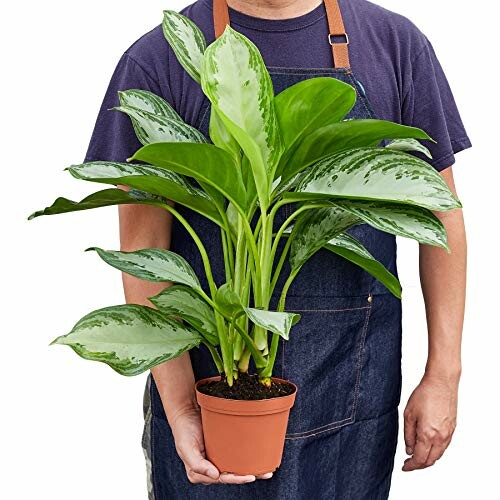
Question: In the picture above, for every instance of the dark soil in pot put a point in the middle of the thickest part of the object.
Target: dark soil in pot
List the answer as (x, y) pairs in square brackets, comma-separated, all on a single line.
[(246, 387)]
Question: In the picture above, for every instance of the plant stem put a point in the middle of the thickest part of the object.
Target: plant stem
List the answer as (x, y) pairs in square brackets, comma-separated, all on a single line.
[(268, 370), (260, 361), (215, 356)]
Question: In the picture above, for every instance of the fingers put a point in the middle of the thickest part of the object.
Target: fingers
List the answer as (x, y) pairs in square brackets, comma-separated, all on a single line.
[(410, 432), (420, 455), (227, 478), (430, 447), (269, 475)]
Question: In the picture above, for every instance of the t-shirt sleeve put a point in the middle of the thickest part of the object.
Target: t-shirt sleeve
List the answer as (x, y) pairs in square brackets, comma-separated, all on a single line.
[(429, 104), (114, 138)]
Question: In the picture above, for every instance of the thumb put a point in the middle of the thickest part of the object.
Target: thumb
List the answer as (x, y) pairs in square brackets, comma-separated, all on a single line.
[(196, 462)]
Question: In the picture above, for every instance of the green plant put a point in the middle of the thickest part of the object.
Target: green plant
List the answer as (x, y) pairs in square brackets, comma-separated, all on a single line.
[(267, 152)]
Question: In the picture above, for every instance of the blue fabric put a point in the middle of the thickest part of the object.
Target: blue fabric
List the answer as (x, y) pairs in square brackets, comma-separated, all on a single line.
[(393, 59), (344, 355)]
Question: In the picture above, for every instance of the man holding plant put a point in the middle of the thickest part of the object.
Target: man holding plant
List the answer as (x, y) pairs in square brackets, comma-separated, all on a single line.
[(342, 438)]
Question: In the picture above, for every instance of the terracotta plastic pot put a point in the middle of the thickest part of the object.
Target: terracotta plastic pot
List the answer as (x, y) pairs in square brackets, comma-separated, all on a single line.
[(244, 437)]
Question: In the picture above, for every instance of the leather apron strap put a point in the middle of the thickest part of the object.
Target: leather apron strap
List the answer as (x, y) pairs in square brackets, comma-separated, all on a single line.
[(336, 27)]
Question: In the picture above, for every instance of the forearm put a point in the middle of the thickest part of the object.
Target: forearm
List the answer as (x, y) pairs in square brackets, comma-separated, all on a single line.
[(150, 227), (443, 279)]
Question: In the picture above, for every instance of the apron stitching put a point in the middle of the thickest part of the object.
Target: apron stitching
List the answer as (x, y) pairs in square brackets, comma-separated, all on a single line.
[(329, 310), (345, 420), (351, 419)]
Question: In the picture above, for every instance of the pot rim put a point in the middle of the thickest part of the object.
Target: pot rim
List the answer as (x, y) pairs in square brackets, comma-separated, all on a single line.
[(245, 406)]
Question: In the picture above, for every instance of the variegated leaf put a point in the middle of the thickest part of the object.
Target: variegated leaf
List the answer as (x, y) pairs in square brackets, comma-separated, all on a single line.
[(377, 174), (235, 79), (402, 220), (105, 198), (220, 136), (314, 228), (407, 144), (152, 264), (186, 40), (129, 338), (186, 303), (352, 250), (154, 180), (274, 321), (337, 137), (149, 102), (208, 164), (151, 128)]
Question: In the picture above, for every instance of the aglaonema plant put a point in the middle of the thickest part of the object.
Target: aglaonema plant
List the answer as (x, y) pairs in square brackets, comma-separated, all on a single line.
[(266, 152)]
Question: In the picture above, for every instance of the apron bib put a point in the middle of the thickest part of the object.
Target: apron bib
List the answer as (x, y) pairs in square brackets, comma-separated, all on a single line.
[(344, 354)]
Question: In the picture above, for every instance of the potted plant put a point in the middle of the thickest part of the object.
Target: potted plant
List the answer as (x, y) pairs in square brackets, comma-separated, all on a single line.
[(266, 152)]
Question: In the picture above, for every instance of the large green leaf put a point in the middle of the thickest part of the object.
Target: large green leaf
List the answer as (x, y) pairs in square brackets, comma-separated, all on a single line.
[(402, 220), (186, 303), (309, 105), (151, 128), (152, 264), (149, 102), (274, 321), (376, 174), (314, 228), (208, 164), (336, 137), (105, 198), (129, 338), (154, 180), (186, 40), (352, 250), (235, 79)]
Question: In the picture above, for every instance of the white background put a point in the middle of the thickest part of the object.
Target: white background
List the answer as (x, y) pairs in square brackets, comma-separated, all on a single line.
[(71, 429)]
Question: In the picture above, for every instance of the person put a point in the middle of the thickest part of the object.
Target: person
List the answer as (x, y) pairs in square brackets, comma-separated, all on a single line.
[(342, 433)]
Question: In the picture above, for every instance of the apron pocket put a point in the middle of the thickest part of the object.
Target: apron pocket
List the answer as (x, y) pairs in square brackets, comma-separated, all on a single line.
[(324, 358)]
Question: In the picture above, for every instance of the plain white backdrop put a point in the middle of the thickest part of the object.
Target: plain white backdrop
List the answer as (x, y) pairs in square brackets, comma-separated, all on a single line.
[(71, 429)]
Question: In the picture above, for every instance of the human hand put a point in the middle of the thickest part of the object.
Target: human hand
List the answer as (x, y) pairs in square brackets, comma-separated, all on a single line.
[(189, 443), (429, 421)]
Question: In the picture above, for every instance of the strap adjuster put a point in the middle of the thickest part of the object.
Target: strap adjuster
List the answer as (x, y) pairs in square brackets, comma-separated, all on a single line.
[(332, 35)]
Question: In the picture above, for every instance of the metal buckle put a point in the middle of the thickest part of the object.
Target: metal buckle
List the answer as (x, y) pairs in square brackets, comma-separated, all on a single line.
[(331, 42)]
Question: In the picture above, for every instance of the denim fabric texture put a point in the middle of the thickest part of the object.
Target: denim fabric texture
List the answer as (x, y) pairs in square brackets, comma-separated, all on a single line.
[(344, 355)]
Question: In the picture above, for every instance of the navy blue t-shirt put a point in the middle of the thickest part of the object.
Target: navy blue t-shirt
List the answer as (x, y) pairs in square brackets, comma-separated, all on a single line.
[(389, 55)]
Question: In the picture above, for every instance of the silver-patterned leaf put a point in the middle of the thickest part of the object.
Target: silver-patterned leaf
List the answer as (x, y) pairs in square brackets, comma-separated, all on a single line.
[(186, 40), (273, 321), (152, 264), (352, 250), (314, 228), (186, 303), (409, 145), (149, 102), (129, 338), (377, 174), (402, 220), (155, 180), (151, 128), (336, 137), (235, 79)]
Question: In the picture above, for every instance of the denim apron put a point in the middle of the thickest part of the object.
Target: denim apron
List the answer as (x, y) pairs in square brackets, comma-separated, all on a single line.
[(344, 355)]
